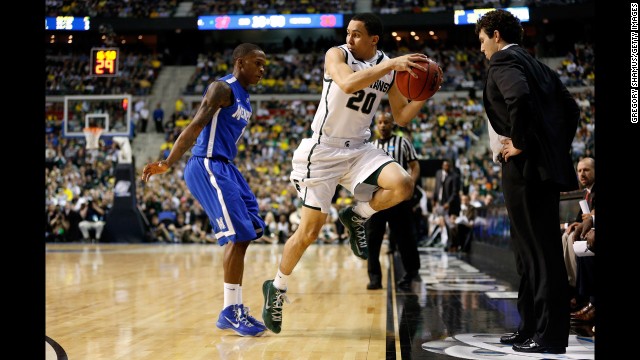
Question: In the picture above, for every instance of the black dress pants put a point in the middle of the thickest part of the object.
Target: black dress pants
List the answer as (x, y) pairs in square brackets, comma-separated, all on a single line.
[(533, 207), (400, 219)]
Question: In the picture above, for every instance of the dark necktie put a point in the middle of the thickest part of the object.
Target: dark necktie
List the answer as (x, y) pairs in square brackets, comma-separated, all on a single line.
[(586, 198)]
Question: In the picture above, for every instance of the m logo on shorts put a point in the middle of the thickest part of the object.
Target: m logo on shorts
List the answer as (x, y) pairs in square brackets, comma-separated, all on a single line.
[(347, 143), (221, 224)]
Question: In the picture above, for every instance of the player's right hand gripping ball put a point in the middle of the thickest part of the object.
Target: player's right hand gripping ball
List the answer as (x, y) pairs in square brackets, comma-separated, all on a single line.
[(424, 86)]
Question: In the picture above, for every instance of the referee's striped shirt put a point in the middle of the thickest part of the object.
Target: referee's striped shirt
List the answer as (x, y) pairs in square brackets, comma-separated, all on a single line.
[(399, 148)]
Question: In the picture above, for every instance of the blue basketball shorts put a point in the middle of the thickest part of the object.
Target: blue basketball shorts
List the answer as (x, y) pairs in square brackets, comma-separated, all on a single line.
[(226, 197)]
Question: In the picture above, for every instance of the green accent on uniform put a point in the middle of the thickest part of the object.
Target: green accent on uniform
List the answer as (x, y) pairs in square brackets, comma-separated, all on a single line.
[(373, 178)]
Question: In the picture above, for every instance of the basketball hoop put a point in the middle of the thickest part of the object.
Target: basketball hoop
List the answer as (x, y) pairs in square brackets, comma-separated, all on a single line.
[(92, 137)]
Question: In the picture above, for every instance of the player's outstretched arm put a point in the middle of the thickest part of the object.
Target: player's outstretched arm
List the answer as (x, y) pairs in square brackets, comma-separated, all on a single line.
[(218, 95)]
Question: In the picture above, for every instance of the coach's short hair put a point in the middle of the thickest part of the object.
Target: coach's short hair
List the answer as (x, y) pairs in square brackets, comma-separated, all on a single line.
[(505, 22)]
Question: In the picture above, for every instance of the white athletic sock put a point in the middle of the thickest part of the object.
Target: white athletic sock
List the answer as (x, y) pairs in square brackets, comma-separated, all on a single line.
[(239, 298), (230, 294), (364, 209), (280, 281)]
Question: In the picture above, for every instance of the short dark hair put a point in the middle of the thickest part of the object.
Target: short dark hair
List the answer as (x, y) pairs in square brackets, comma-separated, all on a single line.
[(505, 22), (244, 49), (371, 21), (381, 113)]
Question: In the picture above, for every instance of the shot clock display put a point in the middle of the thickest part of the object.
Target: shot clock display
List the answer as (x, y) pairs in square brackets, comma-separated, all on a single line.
[(104, 61)]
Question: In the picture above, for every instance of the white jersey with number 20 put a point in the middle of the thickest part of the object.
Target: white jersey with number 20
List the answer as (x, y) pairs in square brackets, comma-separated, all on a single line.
[(342, 115)]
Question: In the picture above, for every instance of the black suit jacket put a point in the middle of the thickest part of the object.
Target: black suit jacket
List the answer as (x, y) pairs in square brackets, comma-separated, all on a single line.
[(450, 190), (526, 101)]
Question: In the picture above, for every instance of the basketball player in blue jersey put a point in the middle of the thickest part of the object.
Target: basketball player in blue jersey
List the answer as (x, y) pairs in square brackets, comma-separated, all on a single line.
[(216, 182), (356, 77)]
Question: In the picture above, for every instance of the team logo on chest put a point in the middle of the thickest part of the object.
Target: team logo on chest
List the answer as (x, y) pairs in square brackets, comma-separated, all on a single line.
[(380, 86), (242, 114)]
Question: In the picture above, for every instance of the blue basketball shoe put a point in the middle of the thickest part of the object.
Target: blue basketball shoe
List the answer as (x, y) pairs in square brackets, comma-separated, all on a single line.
[(233, 317), (251, 319)]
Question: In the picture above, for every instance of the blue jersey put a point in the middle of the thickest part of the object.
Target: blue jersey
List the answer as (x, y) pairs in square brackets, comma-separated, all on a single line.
[(219, 137), (215, 181)]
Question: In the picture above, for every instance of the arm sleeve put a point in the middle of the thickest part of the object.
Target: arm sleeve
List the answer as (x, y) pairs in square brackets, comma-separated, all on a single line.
[(511, 81)]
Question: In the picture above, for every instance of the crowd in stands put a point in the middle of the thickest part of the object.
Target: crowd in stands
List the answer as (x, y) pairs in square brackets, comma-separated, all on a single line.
[(268, 7), (423, 6), (578, 66), (112, 8), (450, 128), (300, 69), (446, 129), (167, 8), (76, 180), (287, 73), (70, 74)]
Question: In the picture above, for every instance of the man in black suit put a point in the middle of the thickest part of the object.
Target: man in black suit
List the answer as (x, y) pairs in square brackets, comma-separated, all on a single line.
[(537, 118), (447, 191), (585, 267), (586, 177)]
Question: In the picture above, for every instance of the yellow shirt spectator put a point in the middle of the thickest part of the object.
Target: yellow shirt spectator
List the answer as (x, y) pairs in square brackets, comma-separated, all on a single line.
[(442, 119), (179, 105), (261, 169), (166, 146), (182, 122), (284, 145), (69, 193)]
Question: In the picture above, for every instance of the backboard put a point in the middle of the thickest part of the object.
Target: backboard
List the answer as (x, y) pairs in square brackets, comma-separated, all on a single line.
[(109, 112)]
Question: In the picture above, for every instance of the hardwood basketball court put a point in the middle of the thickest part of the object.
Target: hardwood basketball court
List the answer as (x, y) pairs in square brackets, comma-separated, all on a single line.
[(113, 301), (161, 301)]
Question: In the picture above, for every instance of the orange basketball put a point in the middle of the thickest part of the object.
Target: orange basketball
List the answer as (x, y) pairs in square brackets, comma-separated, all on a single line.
[(422, 87)]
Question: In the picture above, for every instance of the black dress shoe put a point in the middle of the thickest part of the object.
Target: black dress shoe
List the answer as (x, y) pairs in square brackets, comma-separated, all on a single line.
[(374, 286), (409, 277), (515, 338), (530, 346), (404, 285)]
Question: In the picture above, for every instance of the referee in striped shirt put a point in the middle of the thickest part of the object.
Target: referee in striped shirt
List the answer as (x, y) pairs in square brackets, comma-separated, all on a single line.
[(400, 217)]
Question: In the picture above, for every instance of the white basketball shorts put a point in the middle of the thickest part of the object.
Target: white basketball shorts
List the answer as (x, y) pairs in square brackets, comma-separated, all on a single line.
[(320, 165)]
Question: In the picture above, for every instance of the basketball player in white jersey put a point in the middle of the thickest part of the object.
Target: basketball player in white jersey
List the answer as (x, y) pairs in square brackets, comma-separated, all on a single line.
[(356, 77)]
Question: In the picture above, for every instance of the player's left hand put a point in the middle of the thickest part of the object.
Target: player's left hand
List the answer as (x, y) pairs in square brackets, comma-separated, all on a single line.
[(153, 168)]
